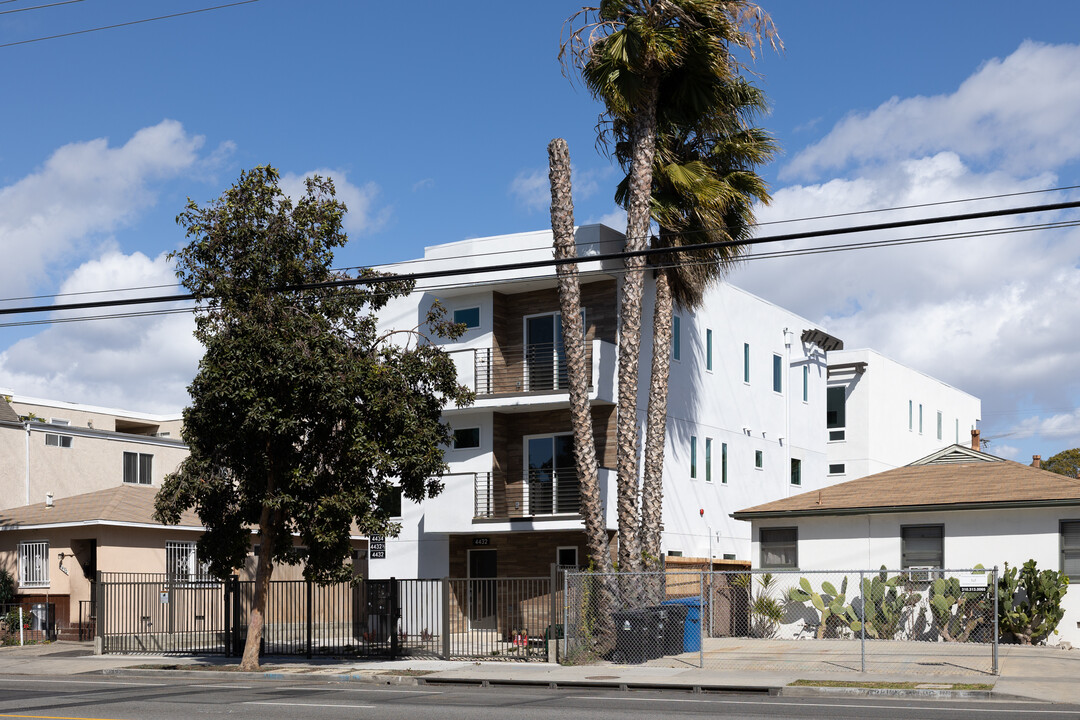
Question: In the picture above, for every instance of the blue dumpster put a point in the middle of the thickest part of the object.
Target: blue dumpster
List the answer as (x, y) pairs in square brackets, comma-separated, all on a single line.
[(692, 628)]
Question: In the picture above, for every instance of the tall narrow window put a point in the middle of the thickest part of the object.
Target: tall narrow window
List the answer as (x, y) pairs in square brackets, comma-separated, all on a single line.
[(909, 414), (676, 340), (777, 374), (920, 418), (836, 413), (708, 459), (708, 349), (806, 383), (796, 471), (34, 564), (693, 457), (1070, 549), (746, 362), (957, 441), (939, 425), (723, 463), (759, 459)]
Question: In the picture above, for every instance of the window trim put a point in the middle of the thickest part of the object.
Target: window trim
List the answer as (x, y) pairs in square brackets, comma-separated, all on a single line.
[(479, 317), (806, 383), (479, 439), (1061, 547), (693, 457), (577, 555), (759, 459), (833, 469), (708, 459), (58, 440), (39, 578), (708, 350), (139, 458), (746, 363), (903, 544), (676, 339), (910, 415), (920, 419), (796, 472), (762, 543), (778, 373), (940, 421)]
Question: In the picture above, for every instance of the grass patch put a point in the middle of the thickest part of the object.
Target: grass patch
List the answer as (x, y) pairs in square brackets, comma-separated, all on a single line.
[(886, 685)]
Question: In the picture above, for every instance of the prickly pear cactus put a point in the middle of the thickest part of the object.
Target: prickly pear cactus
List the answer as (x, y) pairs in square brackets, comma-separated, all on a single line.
[(1029, 602), (886, 599), (830, 604)]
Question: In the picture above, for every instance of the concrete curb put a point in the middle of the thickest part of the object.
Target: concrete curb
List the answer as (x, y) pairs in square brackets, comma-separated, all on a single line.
[(913, 693), (370, 679)]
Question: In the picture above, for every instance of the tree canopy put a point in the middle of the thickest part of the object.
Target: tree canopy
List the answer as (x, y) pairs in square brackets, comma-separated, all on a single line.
[(1066, 462), (303, 420)]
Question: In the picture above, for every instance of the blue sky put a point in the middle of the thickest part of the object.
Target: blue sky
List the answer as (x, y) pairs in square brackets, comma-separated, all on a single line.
[(435, 128)]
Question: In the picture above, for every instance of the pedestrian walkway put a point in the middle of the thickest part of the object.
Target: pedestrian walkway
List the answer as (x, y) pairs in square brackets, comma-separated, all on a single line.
[(1037, 673)]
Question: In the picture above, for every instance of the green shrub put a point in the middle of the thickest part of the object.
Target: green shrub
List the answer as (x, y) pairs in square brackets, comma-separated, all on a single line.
[(1029, 602)]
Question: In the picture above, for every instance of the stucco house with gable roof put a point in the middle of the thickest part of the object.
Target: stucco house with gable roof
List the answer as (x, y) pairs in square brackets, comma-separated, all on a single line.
[(956, 508)]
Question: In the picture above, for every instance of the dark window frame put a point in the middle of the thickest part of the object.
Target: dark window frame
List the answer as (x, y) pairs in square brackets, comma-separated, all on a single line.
[(905, 561), (457, 446), (466, 323), (1063, 551), (778, 543)]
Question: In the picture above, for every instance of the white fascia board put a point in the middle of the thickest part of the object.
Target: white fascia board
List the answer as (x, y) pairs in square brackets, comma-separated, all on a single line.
[(112, 435), (101, 523), (118, 412)]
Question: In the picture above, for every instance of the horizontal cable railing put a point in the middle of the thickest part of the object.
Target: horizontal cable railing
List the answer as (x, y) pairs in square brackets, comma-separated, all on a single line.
[(538, 492)]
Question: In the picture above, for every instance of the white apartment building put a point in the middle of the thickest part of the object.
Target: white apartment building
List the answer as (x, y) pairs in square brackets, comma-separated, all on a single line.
[(883, 415), (746, 407)]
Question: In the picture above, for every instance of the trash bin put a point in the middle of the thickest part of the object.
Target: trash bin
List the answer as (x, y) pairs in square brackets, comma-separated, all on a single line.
[(673, 619), (632, 636), (691, 637)]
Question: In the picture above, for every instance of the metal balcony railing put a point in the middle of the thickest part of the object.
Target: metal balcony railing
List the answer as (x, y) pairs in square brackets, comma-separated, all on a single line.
[(537, 492), (534, 368)]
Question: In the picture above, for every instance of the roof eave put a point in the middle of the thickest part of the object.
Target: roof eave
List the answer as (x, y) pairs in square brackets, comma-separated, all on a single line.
[(883, 509)]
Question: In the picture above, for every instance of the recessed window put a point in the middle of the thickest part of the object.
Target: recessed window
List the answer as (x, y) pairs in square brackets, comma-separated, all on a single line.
[(723, 463), (34, 564), (676, 339), (394, 502), (796, 471), (138, 468), (465, 438), (836, 469), (777, 374), (567, 557), (746, 362), (806, 383), (469, 317), (708, 459), (759, 459), (939, 420), (836, 413), (1070, 549), (54, 440), (708, 349), (779, 547), (922, 546), (693, 457)]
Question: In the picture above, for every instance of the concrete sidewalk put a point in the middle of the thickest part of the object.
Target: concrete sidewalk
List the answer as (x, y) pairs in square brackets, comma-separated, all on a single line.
[(1037, 673)]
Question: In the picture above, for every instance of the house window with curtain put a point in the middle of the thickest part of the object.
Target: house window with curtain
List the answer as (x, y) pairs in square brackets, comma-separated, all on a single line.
[(779, 547)]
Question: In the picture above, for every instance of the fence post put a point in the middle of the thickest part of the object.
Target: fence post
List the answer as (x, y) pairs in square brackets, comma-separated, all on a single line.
[(236, 602), (566, 614), (553, 614), (701, 624), (310, 601), (994, 652), (392, 620), (226, 613), (99, 614), (446, 618), (862, 624)]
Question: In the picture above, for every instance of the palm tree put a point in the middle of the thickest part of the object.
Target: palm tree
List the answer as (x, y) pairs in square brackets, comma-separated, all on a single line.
[(704, 189), (562, 228), (626, 51)]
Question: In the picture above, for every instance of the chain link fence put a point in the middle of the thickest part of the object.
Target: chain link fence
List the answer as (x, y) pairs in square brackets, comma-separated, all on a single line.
[(931, 620)]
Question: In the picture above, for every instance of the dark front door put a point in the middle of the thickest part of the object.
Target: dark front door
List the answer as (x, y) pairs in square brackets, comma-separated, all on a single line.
[(483, 593)]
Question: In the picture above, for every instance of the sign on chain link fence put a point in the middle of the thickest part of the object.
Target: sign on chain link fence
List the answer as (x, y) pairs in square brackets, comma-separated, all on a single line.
[(886, 620)]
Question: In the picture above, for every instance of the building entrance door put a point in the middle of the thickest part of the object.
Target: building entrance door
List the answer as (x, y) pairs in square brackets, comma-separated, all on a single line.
[(483, 591)]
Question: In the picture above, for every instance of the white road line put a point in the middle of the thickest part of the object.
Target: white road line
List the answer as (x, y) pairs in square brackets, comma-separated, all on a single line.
[(351, 707), (83, 682), (800, 703), (229, 687), (361, 690)]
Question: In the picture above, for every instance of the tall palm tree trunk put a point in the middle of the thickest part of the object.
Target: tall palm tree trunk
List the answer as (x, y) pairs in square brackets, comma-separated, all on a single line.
[(562, 228), (638, 215), (652, 491)]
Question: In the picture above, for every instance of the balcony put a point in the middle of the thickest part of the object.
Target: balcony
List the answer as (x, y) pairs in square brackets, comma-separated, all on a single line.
[(537, 493), (531, 374)]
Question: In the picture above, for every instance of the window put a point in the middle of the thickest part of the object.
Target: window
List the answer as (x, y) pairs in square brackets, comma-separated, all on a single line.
[(796, 471), (939, 425), (777, 374), (708, 349), (1070, 549), (759, 459), (779, 547), (469, 317), (394, 503), (693, 457), (59, 421), (806, 383), (920, 418), (676, 340), (54, 440), (746, 362), (836, 413), (922, 546), (909, 415), (465, 438), (34, 564), (957, 441), (723, 463), (674, 553), (708, 459), (836, 469), (182, 563), (566, 556), (138, 468)]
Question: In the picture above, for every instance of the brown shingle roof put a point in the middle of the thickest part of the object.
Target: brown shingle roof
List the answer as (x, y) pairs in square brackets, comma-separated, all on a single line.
[(7, 413), (121, 504), (941, 486)]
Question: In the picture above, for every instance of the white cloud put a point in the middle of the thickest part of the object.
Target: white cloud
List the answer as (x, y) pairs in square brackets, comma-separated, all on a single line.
[(532, 188), (83, 189), (616, 219), (1018, 114), (363, 215), (136, 363)]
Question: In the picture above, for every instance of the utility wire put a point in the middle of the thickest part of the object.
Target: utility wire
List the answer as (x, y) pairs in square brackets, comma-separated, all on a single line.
[(126, 24), (554, 261), (39, 7)]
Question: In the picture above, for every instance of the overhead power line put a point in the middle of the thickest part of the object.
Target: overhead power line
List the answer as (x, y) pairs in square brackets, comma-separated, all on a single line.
[(553, 262), (39, 7)]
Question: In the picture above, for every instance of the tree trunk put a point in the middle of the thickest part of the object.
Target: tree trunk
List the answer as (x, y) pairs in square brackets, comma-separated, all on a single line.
[(638, 216), (264, 569), (652, 491), (562, 228)]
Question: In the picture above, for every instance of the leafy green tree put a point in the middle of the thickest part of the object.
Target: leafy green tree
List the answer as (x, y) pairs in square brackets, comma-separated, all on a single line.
[(1066, 462), (626, 51), (304, 421)]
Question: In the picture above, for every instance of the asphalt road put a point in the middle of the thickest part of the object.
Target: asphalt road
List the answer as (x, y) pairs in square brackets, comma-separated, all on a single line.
[(116, 698)]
